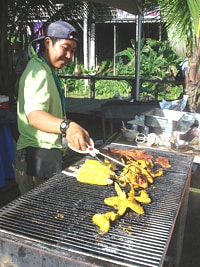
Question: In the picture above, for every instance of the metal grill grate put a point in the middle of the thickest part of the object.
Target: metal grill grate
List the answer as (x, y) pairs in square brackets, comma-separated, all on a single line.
[(58, 215)]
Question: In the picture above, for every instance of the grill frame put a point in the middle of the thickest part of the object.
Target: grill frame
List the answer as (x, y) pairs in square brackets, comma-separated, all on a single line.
[(107, 251)]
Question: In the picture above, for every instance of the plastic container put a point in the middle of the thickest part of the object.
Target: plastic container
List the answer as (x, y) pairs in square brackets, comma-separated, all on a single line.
[(7, 155), (4, 101), (162, 118)]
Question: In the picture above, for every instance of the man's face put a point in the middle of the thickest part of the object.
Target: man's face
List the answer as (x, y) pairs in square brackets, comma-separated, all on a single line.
[(59, 53)]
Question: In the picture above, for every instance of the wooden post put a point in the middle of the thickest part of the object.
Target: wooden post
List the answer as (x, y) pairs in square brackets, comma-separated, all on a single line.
[(92, 86)]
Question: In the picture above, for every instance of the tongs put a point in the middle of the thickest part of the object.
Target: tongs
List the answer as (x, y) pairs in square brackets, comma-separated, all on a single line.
[(92, 151)]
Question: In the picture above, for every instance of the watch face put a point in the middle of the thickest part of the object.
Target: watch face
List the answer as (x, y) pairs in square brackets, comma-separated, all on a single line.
[(63, 125)]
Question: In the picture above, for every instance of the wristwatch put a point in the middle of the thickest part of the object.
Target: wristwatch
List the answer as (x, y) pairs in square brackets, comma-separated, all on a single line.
[(64, 126)]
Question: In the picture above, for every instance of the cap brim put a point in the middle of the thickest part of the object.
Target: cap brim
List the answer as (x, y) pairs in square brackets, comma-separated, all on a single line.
[(42, 37), (39, 39)]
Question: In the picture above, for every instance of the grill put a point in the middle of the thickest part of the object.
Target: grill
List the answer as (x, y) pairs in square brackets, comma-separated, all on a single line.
[(52, 224)]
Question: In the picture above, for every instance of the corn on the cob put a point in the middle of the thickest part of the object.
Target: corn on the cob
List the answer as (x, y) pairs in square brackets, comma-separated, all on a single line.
[(95, 172)]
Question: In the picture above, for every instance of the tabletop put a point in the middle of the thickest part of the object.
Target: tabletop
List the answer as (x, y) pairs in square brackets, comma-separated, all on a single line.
[(192, 150)]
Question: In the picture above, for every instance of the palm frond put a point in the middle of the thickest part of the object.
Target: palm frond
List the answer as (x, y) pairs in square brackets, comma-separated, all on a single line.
[(179, 20), (194, 7)]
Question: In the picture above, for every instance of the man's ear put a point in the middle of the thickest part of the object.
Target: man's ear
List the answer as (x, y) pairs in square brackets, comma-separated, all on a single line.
[(47, 42)]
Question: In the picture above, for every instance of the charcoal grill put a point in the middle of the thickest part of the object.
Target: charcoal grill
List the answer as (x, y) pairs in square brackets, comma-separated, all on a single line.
[(52, 224)]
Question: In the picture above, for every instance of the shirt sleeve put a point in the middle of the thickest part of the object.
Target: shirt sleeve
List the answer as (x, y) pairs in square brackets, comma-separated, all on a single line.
[(36, 93)]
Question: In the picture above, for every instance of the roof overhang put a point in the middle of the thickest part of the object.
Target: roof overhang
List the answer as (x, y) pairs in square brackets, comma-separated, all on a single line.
[(130, 6)]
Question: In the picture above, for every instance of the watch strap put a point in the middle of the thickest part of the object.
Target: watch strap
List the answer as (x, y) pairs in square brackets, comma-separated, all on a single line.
[(64, 126)]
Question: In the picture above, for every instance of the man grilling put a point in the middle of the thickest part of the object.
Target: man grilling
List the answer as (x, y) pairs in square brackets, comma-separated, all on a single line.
[(41, 110)]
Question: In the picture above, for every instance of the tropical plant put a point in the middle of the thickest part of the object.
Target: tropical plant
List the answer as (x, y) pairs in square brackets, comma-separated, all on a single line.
[(16, 16), (181, 15), (157, 61), (182, 18), (156, 58)]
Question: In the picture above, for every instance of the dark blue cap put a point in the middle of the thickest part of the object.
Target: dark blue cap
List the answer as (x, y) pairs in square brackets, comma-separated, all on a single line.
[(60, 30)]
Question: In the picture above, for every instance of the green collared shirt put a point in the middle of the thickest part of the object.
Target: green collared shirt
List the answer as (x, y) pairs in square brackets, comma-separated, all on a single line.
[(37, 91)]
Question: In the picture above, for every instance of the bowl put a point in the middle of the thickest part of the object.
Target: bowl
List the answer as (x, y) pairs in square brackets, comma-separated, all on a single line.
[(129, 134), (180, 145)]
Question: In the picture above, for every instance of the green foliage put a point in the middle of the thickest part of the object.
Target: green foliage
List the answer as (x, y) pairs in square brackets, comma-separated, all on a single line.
[(194, 7), (105, 66), (126, 60), (69, 69), (180, 16), (67, 84), (157, 62), (110, 88), (155, 59), (128, 52)]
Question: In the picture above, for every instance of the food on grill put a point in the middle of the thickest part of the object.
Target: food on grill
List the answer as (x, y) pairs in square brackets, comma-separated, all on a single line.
[(103, 220), (59, 216), (132, 177), (95, 172), (139, 156), (163, 162), (143, 197), (131, 153), (139, 173), (121, 202), (110, 164)]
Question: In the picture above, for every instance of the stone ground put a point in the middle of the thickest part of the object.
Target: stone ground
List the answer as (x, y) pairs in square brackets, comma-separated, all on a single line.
[(191, 244)]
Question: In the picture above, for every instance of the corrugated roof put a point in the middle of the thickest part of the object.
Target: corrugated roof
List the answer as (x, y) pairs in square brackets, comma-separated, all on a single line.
[(130, 6)]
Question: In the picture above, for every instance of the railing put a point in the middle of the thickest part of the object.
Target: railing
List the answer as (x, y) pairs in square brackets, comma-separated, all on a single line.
[(130, 79)]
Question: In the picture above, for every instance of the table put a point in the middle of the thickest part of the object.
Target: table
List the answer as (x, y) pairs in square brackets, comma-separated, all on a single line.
[(122, 110), (7, 154), (193, 150)]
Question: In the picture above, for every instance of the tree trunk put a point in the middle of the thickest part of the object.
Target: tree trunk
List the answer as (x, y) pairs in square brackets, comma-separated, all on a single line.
[(192, 91), (192, 82)]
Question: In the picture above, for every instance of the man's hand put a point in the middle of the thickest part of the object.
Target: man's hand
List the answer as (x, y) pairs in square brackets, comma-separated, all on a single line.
[(77, 136)]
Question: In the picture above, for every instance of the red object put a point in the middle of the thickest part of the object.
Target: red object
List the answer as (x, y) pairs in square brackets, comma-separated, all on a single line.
[(4, 102)]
